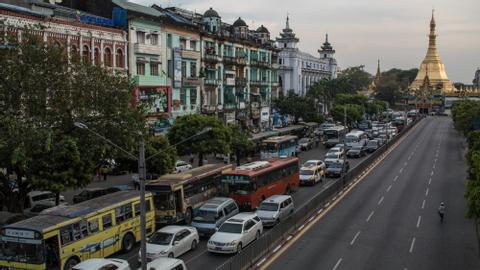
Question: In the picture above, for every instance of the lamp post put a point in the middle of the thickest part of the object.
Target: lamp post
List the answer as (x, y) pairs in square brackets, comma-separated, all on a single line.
[(142, 171)]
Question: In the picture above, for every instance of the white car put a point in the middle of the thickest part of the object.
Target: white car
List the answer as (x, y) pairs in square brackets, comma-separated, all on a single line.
[(337, 150), (102, 264), (332, 157), (181, 166), (41, 197), (166, 264), (315, 162), (171, 241), (236, 233)]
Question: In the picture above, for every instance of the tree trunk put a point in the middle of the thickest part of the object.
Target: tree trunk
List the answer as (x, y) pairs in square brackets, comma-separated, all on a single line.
[(238, 156), (57, 198), (200, 159)]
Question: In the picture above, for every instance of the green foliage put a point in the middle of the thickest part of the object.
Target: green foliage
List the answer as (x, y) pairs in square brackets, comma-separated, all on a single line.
[(42, 95), (216, 141), (165, 156), (394, 84), (299, 107), (240, 142), (342, 99), (464, 113), (357, 78), (354, 113)]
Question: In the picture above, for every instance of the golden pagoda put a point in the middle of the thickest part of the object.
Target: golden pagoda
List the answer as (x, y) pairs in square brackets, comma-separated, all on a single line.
[(432, 64)]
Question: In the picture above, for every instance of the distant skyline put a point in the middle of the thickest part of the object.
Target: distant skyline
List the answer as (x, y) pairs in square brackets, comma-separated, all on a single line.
[(363, 31)]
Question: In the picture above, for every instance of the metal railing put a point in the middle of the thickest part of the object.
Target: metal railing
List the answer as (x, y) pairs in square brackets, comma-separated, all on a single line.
[(270, 240)]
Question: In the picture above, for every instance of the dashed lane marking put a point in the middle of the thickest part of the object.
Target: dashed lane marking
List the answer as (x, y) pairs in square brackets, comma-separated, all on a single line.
[(337, 264), (354, 238), (370, 216), (395, 179), (401, 170), (380, 201), (426, 192), (423, 204), (412, 245), (430, 181), (389, 187), (431, 174), (418, 221)]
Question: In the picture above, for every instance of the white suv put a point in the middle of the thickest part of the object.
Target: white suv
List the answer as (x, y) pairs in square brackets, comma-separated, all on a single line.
[(236, 233), (181, 166)]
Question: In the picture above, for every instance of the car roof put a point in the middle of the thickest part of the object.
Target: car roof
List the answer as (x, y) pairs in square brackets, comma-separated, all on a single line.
[(314, 160), (36, 192), (172, 229), (93, 263), (311, 167), (277, 198), (241, 217), (215, 203), (162, 263)]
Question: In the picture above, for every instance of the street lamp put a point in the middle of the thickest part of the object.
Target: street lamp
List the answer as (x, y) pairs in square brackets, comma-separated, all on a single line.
[(142, 171)]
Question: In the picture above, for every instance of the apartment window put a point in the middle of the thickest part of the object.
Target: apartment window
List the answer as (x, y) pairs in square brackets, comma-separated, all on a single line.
[(193, 69), (183, 96), (140, 37), (169, 40), (154, 69), (170, 68), (193, 96), (183, 43), (120, 58), (86, 54), (107, 57), (140, 68), (184, 68), (153, 39), (193, 45), (96, 55)]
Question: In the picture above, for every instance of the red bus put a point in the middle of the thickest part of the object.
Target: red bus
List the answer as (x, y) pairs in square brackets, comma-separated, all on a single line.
[(252, 183)]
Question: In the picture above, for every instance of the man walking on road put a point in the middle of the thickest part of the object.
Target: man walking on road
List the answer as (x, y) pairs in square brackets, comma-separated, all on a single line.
[(441, 211)]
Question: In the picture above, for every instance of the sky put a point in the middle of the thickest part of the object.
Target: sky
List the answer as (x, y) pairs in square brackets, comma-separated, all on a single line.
[(363, 31)]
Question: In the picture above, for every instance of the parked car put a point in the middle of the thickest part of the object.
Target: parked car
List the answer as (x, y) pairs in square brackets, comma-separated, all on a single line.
[(315, 162), (357, 152), (171, 241), (373, 145), (91, 193), (166, 264), (102, 264), (274, 209), (236, 233), (306, 144), (338, 168), (211, 215), (311, 175), (181, 166), (41, 197)]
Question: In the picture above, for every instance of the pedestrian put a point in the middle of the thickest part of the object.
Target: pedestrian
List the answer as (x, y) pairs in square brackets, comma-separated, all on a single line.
[(192, 158), (441, 211)]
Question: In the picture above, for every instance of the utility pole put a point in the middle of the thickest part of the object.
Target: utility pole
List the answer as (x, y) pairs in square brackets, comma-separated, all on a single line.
[(143, 226), (345, 116)]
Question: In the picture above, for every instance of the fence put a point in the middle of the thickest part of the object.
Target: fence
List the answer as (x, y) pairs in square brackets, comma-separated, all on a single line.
[(264, 245)]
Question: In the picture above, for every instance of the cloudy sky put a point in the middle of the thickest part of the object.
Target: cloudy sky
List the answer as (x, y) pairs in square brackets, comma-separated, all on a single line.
[(363, 31)]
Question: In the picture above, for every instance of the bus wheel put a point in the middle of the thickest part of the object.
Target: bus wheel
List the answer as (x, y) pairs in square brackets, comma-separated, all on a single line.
[(128, 242), (188, 216), (71, 263)]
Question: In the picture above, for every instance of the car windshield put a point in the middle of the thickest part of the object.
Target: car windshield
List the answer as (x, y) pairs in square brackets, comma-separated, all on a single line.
[(336, 165), (356, 148), (21, 252), (160, 238), (310, 163), (372, 143), (335, 149), (164, 201), (331, 155), (231, 228), (306, 172), (268, 207), (304, 140), (206, 216)]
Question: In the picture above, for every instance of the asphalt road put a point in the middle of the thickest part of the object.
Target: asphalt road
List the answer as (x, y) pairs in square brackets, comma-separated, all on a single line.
[(202, 259), (390, 221)]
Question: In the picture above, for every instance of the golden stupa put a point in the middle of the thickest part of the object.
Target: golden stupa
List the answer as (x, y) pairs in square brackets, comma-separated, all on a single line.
[(432, 67)]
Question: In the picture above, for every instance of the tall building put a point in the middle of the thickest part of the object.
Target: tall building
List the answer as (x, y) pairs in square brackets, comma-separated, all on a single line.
[(432, 67), (476, 79), (300, 70)]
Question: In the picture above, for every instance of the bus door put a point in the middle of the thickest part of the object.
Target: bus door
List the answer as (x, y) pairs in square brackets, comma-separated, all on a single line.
[(109, 235), (52, 252)]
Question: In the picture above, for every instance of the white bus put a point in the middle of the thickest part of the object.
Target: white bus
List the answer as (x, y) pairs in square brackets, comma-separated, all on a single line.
[(356, 137), (334, 135)]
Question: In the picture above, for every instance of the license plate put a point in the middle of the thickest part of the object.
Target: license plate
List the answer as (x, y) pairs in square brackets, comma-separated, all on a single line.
[(218, 248)]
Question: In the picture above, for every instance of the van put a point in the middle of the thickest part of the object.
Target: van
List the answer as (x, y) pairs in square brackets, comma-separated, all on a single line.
[(212, 214), (274, 209), (356, 138), (166, 264), (41, 197)]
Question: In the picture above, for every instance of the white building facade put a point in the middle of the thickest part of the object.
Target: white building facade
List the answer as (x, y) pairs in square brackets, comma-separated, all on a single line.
[(300, 70)]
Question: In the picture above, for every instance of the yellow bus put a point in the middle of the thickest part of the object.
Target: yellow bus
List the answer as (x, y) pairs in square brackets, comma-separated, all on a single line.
[(63, 236), (177, 196)]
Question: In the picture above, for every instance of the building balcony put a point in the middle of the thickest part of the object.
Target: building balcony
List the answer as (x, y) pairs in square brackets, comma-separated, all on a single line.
[(240, 82), (265, 103), (190, 54), (209, 109), (212, 82), (230, 81), (147, 49), (255, 83), (264, 83), (191, 81), (275, 66), (212, 58), (255, 113), (230, 106)]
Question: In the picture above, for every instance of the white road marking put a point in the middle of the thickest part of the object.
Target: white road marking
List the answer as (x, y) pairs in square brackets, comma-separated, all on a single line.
[(401, 170), (411, 245), (261, 261), (370, 216), (301, 227), (354, 238), (409, 157), (423, 204), (319, 211), (277, 248), (426, 192), (405, 164), (430, 181), (289, 237), (418, 221), (389, 187), (433, 165), (436, 160), (337, 264), (380, 201), (431, 174), (395, 179), (195, 257)]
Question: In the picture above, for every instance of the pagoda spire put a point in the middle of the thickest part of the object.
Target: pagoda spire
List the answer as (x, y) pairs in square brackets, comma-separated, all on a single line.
[(378, 69), (287, 25)]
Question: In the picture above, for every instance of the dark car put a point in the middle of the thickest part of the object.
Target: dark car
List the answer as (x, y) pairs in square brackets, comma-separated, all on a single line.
[(373, 145), (91, 193), (338, 168), (306, 144), (357, 152)]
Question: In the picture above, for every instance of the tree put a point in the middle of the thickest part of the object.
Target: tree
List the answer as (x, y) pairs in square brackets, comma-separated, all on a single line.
[(464, 114), (357, 99), (299, 107), (358, 79), (216, 141), (354, 113), (165, 155), (388, 90), (240, 142), (42, 95)]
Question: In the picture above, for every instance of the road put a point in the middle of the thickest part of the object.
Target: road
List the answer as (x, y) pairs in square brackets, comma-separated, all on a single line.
[(202, 259), (389, 220)]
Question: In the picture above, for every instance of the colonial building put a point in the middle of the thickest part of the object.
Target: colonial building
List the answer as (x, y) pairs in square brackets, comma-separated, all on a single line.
[(83, 34), (476, 79), (300, 70), (432, 81)]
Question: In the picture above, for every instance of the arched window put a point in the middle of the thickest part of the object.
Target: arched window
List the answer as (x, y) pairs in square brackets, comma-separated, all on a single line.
[(120, 58), (107, 57), (73, 52), (96, 56), (86, 54)]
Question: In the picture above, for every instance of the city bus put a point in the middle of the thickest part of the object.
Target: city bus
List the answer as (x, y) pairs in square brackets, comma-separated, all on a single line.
[(63, 236), (334, 135), (279, 146), (177, 196), (253, 182)]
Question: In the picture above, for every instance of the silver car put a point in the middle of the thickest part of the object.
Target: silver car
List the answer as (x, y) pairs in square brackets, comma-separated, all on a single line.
[(274, 209), (211, 215)]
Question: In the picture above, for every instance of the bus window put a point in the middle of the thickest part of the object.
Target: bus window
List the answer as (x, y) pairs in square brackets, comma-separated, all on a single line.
[(136, 207), (66, 235), (107, 221), (123, 213), (93, 226)]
